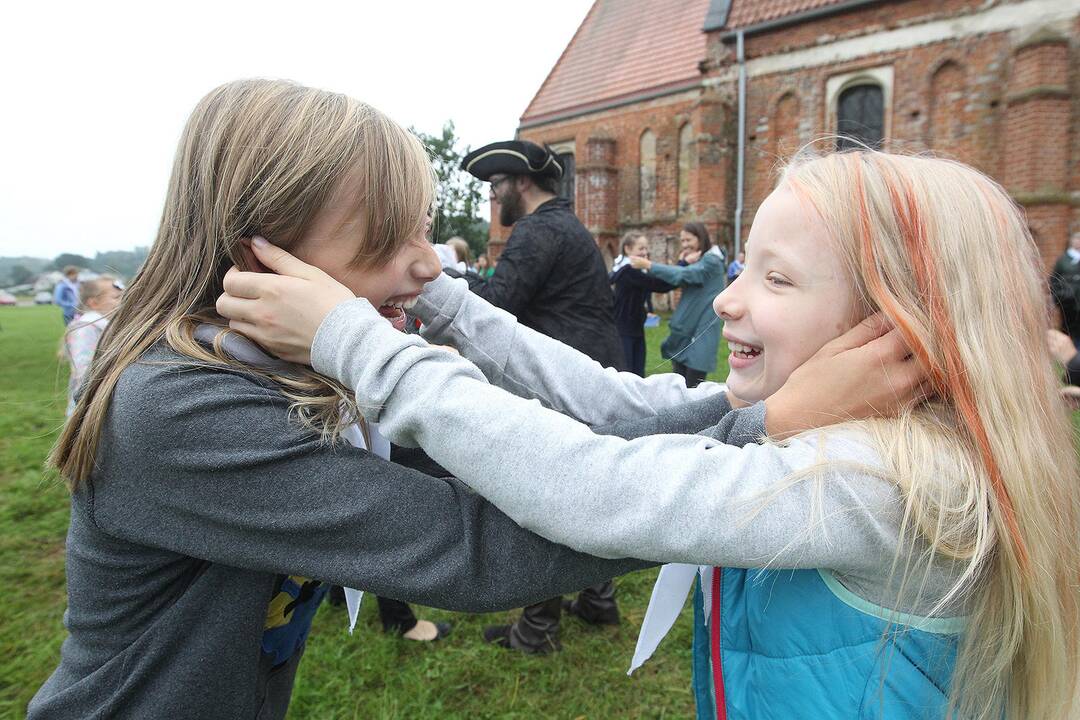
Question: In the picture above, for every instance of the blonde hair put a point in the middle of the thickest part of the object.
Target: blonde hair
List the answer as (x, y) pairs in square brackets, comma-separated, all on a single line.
[(630, 238), (461, 249), (257, 157), (91, 289), (988, 469)]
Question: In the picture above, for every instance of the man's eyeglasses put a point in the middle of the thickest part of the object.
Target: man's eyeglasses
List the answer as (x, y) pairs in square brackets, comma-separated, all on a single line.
[(496, 182)]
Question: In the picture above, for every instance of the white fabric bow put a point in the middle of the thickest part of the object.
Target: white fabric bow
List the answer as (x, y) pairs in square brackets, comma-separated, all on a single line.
[(668, 598)]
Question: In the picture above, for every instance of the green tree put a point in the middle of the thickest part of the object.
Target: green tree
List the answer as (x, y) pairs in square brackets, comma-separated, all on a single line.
[(458, 197), (64, 259), (20, 274)]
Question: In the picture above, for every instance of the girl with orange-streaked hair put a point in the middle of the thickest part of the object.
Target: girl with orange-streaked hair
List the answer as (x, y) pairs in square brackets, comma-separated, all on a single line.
[(923, 566)]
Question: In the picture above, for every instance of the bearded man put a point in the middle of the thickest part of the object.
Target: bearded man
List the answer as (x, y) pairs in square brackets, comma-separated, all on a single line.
[(552, 277)]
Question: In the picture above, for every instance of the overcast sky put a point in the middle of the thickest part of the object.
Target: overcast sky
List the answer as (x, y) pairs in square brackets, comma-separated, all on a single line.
[(96, 93)]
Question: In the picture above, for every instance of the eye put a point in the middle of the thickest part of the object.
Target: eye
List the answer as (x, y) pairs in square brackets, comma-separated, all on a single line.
[(777, 280)]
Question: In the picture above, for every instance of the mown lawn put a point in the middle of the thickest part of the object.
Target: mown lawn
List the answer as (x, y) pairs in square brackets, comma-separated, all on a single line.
[(366, 675)]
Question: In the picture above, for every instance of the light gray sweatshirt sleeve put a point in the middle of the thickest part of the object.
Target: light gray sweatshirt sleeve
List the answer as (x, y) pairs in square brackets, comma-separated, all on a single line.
[(532, 365), (668, 498)]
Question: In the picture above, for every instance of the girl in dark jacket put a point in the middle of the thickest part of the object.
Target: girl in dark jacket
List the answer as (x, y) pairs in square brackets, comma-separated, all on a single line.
[(632, 289)]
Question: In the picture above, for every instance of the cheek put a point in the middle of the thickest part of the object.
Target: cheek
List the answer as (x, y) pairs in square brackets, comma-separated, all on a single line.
[(816, 323)]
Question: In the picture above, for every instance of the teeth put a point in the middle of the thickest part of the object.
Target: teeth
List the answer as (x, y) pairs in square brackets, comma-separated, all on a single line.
[(740, 348), (402, 304)]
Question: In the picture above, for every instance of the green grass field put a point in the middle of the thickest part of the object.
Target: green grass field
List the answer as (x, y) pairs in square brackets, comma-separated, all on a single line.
[(366, 675)]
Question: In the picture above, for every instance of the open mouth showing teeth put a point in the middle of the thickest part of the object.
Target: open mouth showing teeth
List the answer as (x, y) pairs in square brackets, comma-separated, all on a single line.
[(395, 312), (745, 352)]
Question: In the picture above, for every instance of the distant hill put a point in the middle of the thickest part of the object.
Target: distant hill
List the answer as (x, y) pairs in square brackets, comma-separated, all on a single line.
[(125, 263), (32, 264)]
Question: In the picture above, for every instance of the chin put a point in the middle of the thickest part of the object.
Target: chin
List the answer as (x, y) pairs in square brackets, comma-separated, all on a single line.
[(748, 394)]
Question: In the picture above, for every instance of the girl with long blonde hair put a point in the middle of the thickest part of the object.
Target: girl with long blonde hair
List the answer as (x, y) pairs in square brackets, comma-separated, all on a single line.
[(917, 566)]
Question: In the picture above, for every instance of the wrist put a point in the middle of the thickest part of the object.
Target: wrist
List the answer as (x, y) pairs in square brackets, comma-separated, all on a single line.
[(326, 341), (780, 422)]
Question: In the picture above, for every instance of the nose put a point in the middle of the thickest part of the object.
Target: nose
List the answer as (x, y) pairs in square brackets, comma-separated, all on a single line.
[(727, 305), (427, 267)]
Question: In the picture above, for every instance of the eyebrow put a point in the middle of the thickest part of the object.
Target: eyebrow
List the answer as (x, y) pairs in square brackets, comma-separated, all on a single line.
[(769, 253)]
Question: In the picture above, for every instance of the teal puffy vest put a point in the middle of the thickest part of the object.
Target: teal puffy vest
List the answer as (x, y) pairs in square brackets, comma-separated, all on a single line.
[(797, 644)]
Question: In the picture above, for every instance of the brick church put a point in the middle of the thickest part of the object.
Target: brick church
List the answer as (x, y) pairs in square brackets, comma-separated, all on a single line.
[(667, 111)]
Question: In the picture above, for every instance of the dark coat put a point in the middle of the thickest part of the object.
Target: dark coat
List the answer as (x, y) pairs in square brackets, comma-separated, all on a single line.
[(632, 289), (552, 278), (1065, 288)]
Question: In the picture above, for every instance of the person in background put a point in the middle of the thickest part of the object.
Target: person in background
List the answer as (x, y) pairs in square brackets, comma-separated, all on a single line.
[(97, 299), (552, 277), (1065, 288), (736, 267), (483, 267), (632, 291), (66, 293), (1063, 350), (461, 251), (695, 329)]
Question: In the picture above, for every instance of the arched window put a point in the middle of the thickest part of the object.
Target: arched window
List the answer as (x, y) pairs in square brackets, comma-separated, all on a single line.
[(860, 117), (648, 175), (686, 136), (785, 125)]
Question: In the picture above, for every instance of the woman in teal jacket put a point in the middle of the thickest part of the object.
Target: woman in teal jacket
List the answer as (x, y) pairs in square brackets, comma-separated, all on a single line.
[(695, 329)]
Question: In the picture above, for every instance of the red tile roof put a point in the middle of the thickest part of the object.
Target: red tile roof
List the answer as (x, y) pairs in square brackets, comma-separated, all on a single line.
[(751, 12), (624, 48)]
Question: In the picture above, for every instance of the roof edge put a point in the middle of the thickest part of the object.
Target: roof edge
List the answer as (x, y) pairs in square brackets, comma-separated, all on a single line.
[(672, 88), (794, 19)]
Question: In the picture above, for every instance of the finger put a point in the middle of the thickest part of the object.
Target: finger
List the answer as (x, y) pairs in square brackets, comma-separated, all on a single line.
[(246, 329), (235, 308), (243, 284), (280, 261), (909, 378), (249, 261), (890, 346), (866, 331)]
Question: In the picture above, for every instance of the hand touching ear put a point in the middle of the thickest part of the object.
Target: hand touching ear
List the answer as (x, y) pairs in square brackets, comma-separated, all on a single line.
[(866, 372), (281, 309)]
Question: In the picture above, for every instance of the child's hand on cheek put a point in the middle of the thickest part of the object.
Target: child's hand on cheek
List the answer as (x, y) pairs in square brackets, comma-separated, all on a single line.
[(282, 311), (866, 372)]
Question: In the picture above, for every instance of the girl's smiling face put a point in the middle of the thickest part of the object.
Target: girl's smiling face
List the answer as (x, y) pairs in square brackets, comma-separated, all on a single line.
[(793, 296)]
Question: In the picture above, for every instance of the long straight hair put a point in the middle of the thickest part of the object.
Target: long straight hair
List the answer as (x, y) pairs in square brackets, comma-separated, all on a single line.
[(987, 468), (257, 157)]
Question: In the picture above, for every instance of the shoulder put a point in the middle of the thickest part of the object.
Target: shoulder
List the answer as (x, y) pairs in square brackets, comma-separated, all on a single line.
[(163, 386), (712, 260)]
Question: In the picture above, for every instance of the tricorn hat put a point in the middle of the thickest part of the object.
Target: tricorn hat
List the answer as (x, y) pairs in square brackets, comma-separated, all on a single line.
[(512, 157)]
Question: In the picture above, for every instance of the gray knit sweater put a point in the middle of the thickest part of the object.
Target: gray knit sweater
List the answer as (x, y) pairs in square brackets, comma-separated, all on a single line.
[(200, 547)]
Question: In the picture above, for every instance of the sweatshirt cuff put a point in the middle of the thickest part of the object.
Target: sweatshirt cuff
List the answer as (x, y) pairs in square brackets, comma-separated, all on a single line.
[(747, 425), (439, 304), (326, 345)]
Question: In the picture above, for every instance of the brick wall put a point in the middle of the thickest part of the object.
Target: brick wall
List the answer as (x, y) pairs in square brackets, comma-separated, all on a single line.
[(1006, 102), (607, 149)]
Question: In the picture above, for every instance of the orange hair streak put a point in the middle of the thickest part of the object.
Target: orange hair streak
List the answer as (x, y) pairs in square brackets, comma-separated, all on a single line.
[(950, 381)]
